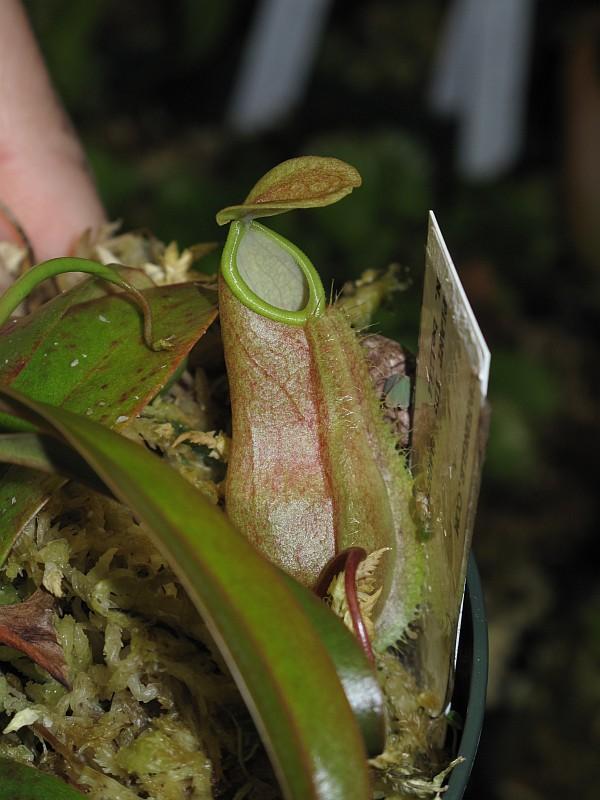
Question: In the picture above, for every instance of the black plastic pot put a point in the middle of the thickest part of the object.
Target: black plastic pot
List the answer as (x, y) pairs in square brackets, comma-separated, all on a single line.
[(471, 681)]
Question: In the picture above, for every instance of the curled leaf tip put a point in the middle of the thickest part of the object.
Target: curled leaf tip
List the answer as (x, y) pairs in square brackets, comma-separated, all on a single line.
[(305, 182)]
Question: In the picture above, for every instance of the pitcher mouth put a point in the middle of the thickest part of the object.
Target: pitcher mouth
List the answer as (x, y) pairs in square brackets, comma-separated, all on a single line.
[(270, 275)]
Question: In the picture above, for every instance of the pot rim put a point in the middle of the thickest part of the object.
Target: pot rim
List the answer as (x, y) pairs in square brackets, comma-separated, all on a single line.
[(477, 633)]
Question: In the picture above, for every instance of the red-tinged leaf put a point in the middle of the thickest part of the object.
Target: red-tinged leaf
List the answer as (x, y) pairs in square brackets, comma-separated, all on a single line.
[(91, 358), (43, 453), (33, 330), (20, 782), (111, 274), (273, 650), (29, 627), (364, 694), (86, 352)]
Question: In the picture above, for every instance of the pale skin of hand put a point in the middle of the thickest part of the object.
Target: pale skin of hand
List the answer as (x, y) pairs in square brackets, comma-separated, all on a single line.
[(44, 179)]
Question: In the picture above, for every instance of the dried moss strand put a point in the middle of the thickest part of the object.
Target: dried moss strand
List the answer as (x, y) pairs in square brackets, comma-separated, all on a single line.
[(11, 217)]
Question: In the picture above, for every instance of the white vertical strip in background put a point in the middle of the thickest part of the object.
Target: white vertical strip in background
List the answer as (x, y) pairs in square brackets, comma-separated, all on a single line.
[(276, 62), (481, 76)]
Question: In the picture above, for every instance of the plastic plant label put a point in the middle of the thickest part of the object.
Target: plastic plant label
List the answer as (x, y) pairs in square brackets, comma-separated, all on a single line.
[(449, 437)]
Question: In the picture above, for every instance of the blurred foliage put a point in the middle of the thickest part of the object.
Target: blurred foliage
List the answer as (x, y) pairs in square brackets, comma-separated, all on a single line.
[(525, 396), (390, 208), (148, 85)]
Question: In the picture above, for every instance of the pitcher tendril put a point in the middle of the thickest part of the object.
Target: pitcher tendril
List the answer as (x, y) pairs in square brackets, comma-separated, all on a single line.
[(14, 296), (348, 561)]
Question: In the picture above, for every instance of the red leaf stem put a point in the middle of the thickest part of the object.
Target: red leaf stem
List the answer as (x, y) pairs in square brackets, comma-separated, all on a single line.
[(348, 561)]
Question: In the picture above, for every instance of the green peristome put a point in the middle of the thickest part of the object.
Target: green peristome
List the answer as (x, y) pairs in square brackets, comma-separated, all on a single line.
[(305, 182), (270, 275)]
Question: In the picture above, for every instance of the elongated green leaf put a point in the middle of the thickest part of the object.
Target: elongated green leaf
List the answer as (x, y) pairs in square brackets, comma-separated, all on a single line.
[(20, 782), (86, 352), (273, 650), (364, 694), (47, 454), (305, 182)]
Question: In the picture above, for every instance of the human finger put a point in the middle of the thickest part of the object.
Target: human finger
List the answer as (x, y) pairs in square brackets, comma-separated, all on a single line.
[(44, 178)]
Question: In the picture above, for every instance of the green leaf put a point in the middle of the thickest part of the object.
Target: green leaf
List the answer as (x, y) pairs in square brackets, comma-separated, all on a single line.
[(20, 338), (90, 356), (44, 453), (273, 650), (30, 279), (20, 782), (364, 693), (305, 182), (86, 353)]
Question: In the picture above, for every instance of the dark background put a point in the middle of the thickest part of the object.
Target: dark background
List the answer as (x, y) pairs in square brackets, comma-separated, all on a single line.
[(148, 85)]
